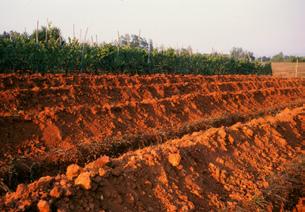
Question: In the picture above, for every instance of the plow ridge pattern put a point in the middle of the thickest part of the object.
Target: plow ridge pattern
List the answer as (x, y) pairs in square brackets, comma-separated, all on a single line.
[(220, 168), (59, 114)]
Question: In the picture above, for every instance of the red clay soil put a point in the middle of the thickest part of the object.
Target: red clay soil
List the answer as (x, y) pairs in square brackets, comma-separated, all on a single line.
[(43, 114), (59, 110), (217, 169)]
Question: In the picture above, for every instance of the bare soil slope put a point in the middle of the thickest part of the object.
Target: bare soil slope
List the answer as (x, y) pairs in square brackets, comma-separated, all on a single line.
[(220, 168), (48, 122)]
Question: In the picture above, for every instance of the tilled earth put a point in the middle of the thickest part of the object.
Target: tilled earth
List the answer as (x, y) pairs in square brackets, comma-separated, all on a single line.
[(220, 168), (175, 142)]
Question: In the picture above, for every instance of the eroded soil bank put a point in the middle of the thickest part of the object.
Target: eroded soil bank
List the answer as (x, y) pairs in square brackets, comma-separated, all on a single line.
[(50, 121), (257, 164)]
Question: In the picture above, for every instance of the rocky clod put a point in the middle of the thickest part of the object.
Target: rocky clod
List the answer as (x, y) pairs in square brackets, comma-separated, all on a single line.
[(84, 180), (73, 171)]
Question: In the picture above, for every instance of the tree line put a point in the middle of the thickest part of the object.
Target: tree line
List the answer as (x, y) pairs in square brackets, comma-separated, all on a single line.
[(281, 57), (45, 50)]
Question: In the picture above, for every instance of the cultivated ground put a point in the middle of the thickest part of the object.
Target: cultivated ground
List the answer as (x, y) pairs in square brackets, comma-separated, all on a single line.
[(172, 142)]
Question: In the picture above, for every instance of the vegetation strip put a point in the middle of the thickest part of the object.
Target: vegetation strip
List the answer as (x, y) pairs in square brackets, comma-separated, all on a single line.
[(51, 53)]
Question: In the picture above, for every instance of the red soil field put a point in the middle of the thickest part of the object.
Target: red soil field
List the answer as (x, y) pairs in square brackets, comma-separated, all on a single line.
[(226, 168), (50, 121)]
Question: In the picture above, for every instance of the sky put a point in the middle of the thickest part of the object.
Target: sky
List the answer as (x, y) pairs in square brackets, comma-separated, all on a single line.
[(265, 27)]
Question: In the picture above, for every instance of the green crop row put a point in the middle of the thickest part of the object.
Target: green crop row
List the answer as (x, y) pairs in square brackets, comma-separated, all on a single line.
[(23, 52)]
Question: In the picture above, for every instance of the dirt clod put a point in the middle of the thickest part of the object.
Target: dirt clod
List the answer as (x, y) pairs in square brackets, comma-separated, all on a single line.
[(174, 159), (43, 206), (56, 192), (84, 180), (73, 171), (101, 172)]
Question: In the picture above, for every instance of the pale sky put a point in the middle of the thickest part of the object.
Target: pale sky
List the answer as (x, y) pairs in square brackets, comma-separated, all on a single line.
[(264, 27)]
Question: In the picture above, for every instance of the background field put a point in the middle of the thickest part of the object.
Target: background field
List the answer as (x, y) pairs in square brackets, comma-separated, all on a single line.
[(284, 69)]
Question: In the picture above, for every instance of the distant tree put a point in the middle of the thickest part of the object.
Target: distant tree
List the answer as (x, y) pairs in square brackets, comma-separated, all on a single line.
[(134, 41), (278, 57), (240, 54), (13, 35), (5, 35), (125, 40), (47, 33), (263, 59)]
